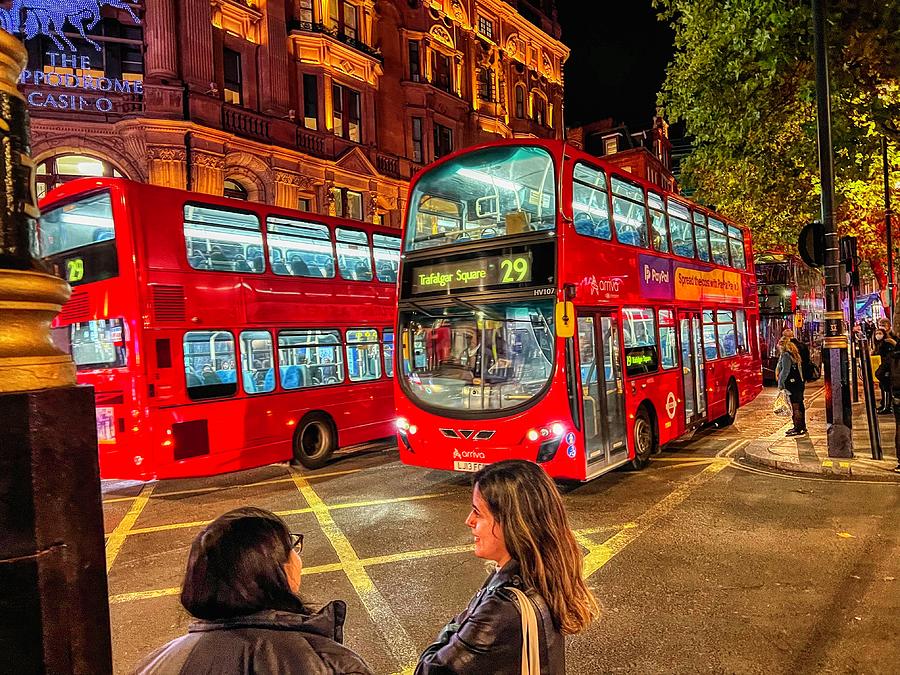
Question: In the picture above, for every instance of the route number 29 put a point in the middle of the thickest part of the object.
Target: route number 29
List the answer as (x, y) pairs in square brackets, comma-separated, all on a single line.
[(513, 270), (74, 270)]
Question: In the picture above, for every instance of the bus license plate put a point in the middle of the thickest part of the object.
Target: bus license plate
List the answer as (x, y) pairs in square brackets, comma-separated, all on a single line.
[(468, 466), (106, 425)]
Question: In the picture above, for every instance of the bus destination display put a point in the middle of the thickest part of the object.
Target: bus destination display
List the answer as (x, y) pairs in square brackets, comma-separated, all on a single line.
[(477, 273)]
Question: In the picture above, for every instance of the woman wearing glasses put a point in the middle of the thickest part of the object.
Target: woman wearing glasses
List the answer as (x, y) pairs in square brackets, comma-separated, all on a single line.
[(242, 582)]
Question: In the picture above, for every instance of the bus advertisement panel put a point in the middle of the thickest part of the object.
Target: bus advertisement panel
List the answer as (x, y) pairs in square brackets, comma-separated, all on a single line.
[(556, 309), (220, 334)]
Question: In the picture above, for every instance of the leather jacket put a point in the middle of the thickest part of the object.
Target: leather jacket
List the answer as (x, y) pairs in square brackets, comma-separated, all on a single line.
[(487, 636)]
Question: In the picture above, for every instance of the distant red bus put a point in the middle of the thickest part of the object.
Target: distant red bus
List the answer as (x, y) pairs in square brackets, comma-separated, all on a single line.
[(553, 307), (220, 334)]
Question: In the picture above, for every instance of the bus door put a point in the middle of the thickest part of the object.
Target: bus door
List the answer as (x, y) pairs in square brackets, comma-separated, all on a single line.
[(693, 375), (603, 388)]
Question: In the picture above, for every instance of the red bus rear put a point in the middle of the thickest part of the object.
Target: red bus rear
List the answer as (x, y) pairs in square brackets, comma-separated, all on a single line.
[(555, 308), (218, 334)]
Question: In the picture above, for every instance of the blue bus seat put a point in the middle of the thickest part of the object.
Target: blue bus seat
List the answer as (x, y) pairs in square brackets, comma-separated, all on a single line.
[(249, 382)]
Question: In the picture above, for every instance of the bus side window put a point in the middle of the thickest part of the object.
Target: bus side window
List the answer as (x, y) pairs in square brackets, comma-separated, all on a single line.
[(209, 365), (354, 254), (710, 345), (388, 348), (256, 362), (681, 229), (220, 239), (701, 234), (629, 213), (363, 361)]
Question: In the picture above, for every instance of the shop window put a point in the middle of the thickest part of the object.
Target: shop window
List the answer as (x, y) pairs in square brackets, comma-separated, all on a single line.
[(209, 366), (234, 90), (55, 171)]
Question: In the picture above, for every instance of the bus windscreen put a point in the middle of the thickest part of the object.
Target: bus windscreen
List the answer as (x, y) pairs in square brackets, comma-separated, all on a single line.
[(78, 239)]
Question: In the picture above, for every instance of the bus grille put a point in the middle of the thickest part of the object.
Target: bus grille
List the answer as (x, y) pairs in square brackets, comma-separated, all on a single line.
[(168, 303), (76, 309)]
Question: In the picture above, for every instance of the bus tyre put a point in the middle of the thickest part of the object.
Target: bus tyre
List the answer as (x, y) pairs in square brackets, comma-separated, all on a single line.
[(315, 441), (644, 439), (731, 406)]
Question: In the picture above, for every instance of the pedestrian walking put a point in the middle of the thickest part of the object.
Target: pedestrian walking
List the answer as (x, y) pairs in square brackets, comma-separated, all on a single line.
[(884, 345), (519, 522), (789, 376), (242, 582)]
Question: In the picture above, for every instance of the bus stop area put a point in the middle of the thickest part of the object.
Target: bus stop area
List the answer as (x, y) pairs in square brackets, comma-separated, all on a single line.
[(701, 561), (809, 453)]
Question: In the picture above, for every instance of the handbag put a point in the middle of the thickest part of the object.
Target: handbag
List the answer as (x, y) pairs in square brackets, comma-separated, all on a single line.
[(782, 404), (531, 655)]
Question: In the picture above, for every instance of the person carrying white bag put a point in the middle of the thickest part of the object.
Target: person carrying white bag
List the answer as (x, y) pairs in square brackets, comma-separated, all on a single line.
[(790, 379)]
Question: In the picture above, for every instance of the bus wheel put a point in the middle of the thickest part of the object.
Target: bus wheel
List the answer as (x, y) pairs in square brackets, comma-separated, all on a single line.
[(644, 439), (731, 406), (314, 441)]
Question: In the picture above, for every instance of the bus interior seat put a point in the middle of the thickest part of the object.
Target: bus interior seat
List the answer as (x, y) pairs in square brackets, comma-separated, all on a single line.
[(104, 233), (279, 267), (290, 377), (269, 380), (256, 263), (241, 266), (193, 380), (249, 382), (227, 376), (363, 272), (299, 268)]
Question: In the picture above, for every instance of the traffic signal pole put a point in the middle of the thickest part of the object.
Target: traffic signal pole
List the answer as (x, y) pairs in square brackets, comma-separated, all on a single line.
[(887, 225), (835, 357)]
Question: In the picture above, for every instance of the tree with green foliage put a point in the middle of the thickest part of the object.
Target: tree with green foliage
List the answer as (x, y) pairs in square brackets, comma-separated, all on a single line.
[(743, 83)]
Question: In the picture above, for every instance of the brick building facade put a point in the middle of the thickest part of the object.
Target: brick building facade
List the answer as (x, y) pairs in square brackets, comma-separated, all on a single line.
[(325, 105)]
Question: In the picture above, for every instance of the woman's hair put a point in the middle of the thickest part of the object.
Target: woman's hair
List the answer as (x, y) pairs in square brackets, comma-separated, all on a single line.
[(790, 348), (525, 502), (236, 567)]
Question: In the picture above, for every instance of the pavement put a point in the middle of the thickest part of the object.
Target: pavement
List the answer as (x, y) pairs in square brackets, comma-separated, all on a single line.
[(808, 454)]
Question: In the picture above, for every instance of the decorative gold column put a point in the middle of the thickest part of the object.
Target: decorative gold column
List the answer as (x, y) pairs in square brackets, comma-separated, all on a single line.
[(29, 297)]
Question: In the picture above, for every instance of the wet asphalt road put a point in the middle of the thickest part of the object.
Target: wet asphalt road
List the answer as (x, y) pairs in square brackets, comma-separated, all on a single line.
[(701, 563)]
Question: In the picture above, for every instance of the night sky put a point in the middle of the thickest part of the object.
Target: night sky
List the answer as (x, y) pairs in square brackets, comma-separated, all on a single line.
[(619, 55)]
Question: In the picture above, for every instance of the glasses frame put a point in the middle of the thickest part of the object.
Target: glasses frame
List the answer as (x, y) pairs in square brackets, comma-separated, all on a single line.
[(296, 541)]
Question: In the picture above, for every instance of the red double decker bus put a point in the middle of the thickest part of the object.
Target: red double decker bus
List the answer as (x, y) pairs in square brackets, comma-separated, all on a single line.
[(221, 334), (555, 308)]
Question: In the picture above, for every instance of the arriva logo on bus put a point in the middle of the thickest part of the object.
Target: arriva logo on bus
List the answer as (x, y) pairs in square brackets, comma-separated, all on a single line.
[(58, 89)]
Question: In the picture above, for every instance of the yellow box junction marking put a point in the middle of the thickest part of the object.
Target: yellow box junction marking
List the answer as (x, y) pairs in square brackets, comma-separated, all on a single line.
[(397, 639), (117, 536), (599, 555)]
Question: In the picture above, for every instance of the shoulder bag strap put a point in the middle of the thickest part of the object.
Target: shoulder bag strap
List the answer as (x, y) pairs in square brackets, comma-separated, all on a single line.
[(531, 655)]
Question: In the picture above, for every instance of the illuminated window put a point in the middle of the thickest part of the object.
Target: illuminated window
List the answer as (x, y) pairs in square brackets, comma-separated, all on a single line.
[(344, 18), (310, 101), (304, 204), (485, 84), (305, 13), (486, 27), (347, 203), (520, 101), (539, 114), (346, 112), (55, 171), (443, 140), (234, 190), (234, 91), (610, 146)]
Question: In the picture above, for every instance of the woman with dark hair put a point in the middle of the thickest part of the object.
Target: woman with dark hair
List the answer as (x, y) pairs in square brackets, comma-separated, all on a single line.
[(242, 579), (518, 521)]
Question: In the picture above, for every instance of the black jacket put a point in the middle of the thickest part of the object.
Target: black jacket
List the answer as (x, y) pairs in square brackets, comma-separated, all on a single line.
[(265, 643), (487, 636)]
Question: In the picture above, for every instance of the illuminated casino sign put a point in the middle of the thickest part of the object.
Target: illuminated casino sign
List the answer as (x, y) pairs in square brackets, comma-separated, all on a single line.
[(67, 80)]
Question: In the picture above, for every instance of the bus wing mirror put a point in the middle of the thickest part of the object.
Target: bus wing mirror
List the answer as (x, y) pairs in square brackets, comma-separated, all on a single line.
[(565, 319)]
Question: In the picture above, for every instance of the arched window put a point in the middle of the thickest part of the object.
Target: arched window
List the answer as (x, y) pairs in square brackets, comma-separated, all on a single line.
[(55, 171), (234, 190), (520, 101), (539, 111)]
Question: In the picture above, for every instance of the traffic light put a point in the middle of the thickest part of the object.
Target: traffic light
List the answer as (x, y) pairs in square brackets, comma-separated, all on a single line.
[(850, 261)]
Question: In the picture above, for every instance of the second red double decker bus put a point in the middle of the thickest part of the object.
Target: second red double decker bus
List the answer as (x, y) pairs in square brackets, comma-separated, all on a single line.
[(555, 308), (220, 334)]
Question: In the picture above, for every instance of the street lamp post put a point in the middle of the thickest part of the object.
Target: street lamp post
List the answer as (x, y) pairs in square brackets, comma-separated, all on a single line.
[(52, 560), (887, 224), (837, 368)]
